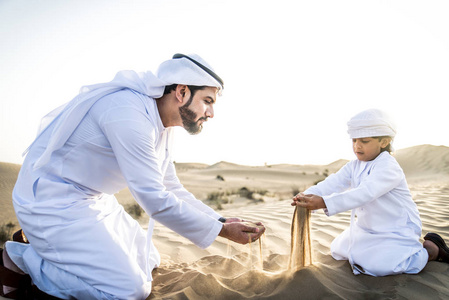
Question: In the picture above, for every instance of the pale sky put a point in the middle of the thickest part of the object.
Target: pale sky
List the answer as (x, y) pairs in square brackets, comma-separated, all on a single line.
[(295, 71)]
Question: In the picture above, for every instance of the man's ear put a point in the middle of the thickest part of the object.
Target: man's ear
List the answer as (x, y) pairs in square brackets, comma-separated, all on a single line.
[(181, 92)]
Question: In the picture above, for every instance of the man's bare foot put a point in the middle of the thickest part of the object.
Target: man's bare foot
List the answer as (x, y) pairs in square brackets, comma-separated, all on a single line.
[(443, 250), (432, 249)]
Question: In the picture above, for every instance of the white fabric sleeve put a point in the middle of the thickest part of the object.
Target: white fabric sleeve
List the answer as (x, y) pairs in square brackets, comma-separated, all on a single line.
[(384, 176), (132, 138), (172, 183), (334, 183), (337, 182)]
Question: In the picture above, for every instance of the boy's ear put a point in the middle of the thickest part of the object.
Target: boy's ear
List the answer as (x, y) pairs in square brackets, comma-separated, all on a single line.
[(384, 142)]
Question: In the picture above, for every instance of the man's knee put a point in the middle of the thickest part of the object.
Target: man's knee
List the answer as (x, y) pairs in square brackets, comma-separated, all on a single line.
[(133, 288)]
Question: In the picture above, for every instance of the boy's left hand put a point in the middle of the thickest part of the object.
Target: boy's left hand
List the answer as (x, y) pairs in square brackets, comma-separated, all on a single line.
[(310, 202)]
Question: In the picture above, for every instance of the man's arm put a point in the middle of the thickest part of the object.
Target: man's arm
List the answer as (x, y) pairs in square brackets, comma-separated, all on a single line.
[(132, 137), (172, 183), (236, 233)]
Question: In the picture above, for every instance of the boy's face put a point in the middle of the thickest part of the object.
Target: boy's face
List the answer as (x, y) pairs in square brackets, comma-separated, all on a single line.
[(368, 148)]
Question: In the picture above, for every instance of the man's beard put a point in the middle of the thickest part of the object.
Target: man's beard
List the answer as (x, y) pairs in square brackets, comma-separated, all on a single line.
[(188, 117)]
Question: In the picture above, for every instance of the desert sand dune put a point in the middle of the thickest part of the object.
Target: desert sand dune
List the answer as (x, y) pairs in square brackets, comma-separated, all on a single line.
[(260, 271)]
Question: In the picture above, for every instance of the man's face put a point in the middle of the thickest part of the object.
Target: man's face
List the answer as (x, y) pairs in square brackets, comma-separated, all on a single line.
[(198, 109)]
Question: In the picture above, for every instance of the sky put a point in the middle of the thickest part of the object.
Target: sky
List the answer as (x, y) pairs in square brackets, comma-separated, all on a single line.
[(295, 71)]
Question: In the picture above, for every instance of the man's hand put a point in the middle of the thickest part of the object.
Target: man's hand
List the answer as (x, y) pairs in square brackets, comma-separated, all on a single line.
[(241, 232), (310, 202)]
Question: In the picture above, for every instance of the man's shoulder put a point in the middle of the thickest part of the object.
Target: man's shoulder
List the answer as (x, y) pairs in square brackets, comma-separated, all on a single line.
[(124, 99), (125, 106)]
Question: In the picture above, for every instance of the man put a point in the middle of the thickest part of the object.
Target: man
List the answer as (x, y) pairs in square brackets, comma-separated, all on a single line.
[(83, 244)]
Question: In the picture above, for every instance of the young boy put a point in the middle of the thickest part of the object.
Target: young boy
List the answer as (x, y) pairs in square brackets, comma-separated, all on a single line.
[(384, 237)]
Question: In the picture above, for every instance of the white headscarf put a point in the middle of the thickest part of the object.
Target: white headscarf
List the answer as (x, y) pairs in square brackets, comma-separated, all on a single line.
[(67, 117), (187, 70), (371, 123)]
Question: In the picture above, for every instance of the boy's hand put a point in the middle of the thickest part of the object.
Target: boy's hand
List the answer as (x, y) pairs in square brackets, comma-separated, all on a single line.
[(310, 202)]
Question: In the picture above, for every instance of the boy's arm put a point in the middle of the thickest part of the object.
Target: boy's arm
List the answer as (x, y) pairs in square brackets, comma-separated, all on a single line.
[(334, 183), (384, 177), (312, 198)]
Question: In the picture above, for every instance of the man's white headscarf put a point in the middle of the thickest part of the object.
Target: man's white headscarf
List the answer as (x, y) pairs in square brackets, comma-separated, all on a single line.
[(181, 69), (371, 123)]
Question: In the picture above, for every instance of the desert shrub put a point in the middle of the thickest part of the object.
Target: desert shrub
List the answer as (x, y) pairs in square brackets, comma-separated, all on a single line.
[(6, 231), (245, 193), (217, 198), (224, 197), (261, 192), (318, 181), (219, 177), (134, 210), (218, 205), (295, 191)]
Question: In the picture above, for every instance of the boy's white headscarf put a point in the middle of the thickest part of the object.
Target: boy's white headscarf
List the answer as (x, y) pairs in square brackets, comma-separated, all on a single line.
[(174, 71), (371, 123)]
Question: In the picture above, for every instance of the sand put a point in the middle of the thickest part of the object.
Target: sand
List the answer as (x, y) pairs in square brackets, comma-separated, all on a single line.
[(301, 245), (227, 270), (8, 177)]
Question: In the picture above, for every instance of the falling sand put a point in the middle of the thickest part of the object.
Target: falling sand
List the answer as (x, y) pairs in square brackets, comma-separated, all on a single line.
[(260, 246), (301, 247)]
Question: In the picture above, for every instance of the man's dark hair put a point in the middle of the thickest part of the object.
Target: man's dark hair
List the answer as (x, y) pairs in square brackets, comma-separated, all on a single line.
[(193, 88)]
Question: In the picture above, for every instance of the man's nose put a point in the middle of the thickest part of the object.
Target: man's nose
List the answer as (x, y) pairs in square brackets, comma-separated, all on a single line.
[(210, 112)]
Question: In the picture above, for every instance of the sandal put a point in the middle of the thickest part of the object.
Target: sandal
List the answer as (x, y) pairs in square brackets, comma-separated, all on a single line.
[(20, 237), (25, 289), (22, 283), (443, 254)]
